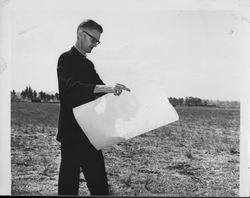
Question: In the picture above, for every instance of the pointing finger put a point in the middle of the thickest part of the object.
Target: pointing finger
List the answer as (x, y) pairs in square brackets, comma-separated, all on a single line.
[(122, 87)]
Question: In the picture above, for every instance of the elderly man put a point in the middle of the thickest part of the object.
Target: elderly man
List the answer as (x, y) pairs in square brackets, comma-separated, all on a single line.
[(79, 83)]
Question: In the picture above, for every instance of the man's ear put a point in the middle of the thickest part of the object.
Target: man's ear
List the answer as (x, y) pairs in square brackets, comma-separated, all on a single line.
[(79, 34)]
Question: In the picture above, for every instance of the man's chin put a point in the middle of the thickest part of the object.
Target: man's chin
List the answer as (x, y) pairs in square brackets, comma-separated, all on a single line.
[(90, 50), (87, 51)]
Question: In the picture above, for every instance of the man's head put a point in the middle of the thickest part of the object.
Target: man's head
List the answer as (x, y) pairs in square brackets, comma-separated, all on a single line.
[(88, 35)]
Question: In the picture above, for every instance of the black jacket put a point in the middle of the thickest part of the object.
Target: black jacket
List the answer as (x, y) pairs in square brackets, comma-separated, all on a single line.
[(77, 79)]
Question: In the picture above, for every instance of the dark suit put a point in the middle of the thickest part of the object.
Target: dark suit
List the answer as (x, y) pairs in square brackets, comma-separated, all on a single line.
[(77, 79)]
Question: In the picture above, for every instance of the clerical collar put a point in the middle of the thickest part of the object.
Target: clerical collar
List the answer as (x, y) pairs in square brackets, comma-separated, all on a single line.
[(80, 51)]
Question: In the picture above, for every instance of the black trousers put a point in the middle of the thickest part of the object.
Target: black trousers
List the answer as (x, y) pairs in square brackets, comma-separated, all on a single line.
[(82, 157)]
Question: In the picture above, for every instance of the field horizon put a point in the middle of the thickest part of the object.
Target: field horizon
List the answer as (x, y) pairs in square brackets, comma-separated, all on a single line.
[(18, 93)]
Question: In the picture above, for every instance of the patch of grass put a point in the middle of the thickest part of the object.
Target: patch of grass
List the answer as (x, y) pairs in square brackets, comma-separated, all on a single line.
[(195, 156)]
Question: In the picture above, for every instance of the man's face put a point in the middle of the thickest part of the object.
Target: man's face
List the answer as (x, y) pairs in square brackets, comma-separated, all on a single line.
[(89, 39)]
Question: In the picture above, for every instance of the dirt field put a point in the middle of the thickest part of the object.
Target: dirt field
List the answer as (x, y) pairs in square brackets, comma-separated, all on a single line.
[(195, 156)]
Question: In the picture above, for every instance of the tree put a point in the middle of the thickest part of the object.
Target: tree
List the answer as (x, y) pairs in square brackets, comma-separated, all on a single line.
[(180, 101), (42, 95), (52, 97), (23, 94), (13, 96), (30, 93), (175, 101), (193, 101), (34, 94), (57, 96), (13, 92), (26, 92)]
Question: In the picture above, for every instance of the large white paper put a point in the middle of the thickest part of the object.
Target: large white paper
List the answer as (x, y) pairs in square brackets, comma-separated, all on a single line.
[(111, 119)]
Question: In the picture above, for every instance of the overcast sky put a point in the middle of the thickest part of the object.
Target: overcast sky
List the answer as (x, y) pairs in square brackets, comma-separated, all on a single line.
[(191, 52)]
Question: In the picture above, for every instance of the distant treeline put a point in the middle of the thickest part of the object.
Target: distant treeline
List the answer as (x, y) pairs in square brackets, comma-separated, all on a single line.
[(188, 101), (194, 101), (30, 95)]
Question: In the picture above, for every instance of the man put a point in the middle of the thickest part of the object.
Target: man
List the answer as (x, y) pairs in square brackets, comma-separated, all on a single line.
[(78, 84)]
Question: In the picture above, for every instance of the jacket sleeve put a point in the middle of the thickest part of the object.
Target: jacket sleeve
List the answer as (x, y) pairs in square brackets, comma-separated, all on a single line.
[(99, 82), (72, 91)]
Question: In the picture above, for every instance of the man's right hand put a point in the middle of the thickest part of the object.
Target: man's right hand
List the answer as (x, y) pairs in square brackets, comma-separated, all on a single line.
[(119, 88)]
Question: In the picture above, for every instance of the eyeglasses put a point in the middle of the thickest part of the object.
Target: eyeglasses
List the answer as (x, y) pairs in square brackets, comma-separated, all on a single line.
[(94, 40)]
